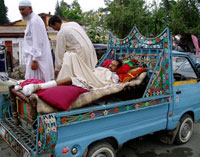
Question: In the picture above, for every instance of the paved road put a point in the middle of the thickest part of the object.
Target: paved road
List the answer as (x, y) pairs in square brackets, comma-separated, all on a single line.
[(147, 146), (5, 150)]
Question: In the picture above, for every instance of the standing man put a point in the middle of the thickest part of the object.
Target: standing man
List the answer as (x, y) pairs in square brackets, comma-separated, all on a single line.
[(39, 63), (72, 38)]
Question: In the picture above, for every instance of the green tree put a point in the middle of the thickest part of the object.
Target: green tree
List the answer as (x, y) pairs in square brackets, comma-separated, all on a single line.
[(182, 17), (94, 26), (3, 13), (123, 15), (75, 12), (161, 15), (158, 19), (72, 12), (119, 16), (61, 8), (185, 18)]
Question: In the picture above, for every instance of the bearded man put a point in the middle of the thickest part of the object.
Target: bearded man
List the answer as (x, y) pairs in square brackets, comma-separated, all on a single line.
[(39, 62)]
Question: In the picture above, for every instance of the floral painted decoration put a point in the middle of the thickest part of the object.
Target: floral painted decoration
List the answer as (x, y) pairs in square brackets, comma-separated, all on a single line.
[(47, 134)]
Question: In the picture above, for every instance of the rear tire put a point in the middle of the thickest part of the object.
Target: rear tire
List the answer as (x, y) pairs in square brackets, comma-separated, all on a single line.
[(185, 130), (101, 149)]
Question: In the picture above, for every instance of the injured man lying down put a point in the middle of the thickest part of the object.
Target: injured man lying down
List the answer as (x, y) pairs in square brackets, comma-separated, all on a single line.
[(75, 72)]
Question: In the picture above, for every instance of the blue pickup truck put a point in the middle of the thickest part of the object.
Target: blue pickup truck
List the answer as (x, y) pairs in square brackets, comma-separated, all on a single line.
[(168, 104)]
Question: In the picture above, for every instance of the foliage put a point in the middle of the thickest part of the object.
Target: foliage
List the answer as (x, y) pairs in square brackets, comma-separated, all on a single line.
[(61, 8), (3, 13), (123, 15), (158, 19), (107, 2), (185, 18), (94, 26), (119, 16), (72, 12), (93, 23), (181, 16)]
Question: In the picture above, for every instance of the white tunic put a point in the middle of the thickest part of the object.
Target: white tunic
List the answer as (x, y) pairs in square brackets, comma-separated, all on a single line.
[(82, 76), (114, 77), (37, 47), (72, 38)]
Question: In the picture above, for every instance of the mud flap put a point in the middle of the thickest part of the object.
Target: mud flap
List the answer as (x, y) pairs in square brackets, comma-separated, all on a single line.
[(168, 137)]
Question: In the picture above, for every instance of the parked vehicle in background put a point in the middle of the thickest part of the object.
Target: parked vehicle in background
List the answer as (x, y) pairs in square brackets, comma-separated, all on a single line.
[(5, 82), (100, 50)]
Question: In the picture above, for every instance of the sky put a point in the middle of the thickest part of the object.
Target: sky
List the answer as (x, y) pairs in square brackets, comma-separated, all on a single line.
[(46, 6)]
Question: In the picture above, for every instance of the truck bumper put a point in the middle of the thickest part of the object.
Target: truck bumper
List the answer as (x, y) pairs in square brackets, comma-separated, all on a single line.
[(17, 138)]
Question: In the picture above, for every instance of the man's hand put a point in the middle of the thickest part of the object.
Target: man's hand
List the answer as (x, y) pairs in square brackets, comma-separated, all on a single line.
[(34, 65), (56, 73)]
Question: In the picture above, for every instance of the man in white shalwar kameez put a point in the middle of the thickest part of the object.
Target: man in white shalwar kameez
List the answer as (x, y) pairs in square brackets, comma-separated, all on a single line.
[(39, 62), (72, 38)]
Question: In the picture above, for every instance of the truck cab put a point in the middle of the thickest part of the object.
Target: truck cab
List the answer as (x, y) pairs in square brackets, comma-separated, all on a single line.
[(185, 94)]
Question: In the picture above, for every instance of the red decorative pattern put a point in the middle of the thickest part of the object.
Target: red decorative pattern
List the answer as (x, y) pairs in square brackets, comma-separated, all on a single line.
[(133, 73)]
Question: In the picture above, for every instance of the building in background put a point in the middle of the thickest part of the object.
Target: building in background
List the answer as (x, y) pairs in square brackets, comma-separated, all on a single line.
[(12, 36)]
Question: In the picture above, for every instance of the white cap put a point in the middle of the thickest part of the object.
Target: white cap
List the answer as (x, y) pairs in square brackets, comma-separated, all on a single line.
[(25, 3)]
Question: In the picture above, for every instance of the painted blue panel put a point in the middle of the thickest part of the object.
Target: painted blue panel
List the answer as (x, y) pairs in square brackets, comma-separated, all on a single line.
[(4, 105), (122, 127), (187, 100)]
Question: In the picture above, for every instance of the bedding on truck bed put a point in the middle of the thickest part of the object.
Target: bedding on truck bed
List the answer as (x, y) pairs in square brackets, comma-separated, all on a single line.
[(82, 100), (89, 97)]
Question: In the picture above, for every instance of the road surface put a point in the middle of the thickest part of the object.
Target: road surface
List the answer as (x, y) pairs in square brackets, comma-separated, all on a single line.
[(147, 146)]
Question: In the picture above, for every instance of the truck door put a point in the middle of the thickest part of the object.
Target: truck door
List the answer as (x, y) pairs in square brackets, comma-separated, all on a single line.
[(186, 87)]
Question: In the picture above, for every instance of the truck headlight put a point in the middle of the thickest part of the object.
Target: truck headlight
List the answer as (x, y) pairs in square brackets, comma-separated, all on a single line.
[(74, 150)]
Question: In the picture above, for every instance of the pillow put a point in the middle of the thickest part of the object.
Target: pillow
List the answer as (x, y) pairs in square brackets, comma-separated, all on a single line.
[(30, 81), (106, 63), (123, 69), (133, 73), (130, 62), (61, 97), (127, 65)]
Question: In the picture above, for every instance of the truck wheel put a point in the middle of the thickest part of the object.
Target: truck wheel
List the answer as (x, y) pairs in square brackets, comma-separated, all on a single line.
[(185, 130), (101, 149)]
